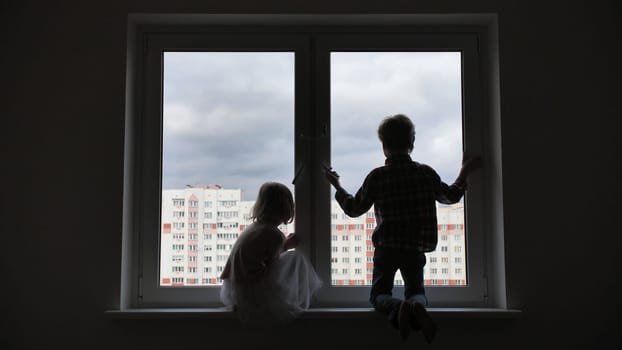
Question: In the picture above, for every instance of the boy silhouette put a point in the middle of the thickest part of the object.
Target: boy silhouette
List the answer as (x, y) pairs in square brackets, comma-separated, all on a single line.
[(404, 195)]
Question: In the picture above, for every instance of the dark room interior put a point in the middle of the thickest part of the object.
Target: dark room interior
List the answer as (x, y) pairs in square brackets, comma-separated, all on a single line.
[(62, 148)]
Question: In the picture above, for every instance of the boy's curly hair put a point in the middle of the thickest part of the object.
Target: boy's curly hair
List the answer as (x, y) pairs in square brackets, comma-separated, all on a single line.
[(397, 133)]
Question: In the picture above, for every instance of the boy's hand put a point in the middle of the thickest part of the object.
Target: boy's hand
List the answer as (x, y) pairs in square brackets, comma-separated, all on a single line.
[(470, 163), (332, 176)]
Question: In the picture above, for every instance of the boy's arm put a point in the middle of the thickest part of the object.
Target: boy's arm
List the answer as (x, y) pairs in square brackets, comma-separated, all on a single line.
[(358, 204), (333, 178), (448, 194), (469, 164), (353, 206)]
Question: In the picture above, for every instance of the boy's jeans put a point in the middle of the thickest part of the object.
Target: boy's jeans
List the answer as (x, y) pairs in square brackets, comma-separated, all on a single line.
[(386, 263)]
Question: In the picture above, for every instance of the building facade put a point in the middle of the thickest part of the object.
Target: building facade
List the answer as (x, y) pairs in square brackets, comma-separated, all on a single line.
[(200, 225)]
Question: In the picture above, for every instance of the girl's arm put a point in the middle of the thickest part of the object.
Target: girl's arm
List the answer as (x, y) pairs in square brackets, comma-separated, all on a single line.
[(274, 242), (291, 241)]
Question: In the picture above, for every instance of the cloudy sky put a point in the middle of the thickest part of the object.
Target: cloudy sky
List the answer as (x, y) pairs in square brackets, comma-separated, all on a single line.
[(229, 117)]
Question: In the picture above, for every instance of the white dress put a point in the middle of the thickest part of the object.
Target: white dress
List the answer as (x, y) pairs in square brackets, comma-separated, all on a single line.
[(286, 290)]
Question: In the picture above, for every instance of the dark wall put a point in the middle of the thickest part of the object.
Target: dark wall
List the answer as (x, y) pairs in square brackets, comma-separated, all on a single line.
[(63, 76)]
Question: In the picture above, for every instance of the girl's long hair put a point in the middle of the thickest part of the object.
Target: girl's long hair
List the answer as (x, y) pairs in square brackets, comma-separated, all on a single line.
[(274, 203)]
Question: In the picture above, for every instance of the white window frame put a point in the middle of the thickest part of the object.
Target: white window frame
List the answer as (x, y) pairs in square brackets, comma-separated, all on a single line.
[(312, 38)]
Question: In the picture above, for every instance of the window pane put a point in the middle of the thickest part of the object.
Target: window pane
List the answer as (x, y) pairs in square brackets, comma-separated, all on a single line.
[(366, 87), (225, 117)]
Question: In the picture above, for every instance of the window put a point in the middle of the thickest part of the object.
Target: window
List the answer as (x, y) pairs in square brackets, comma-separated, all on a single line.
[(309, 83)]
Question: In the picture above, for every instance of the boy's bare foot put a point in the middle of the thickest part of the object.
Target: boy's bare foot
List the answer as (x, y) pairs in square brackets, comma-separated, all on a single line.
[(423, 319)]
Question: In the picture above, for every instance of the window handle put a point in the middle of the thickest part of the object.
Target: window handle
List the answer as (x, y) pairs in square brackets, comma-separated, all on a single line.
[(298, 172)]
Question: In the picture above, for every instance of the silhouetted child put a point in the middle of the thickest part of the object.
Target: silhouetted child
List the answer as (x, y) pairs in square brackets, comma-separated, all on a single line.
[(263, 280), (404, 195)]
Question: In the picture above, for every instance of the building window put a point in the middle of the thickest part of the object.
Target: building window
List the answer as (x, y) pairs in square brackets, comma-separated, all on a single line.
[(339, 55)]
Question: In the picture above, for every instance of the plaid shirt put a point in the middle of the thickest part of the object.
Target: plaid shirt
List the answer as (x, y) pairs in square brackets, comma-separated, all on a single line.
[(404, 195)]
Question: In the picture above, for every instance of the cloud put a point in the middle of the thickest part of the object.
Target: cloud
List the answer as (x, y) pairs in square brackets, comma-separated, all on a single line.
[(366, 87), (229, 117)]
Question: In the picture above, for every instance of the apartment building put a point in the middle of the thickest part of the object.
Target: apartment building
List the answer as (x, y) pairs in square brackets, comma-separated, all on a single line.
[(200, 224)]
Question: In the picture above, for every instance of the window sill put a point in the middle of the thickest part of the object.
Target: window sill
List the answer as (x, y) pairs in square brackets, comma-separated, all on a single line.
[(314, 313)]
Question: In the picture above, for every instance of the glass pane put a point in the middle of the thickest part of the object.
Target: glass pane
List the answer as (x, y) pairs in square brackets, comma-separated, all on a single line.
[(225, 117), (365, 88)]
